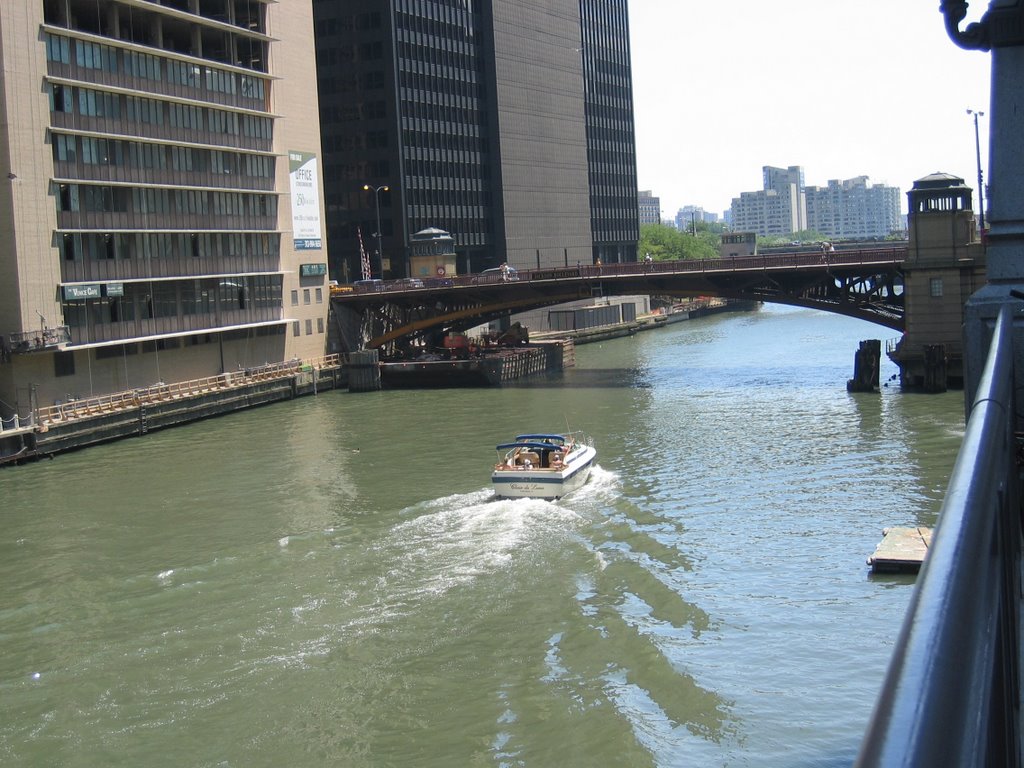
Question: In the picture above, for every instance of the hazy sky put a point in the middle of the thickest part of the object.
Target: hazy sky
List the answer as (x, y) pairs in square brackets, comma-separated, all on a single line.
[(843, 88)]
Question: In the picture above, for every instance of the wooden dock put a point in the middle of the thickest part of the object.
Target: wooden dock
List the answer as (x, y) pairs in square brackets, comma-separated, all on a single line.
[(901, 550)]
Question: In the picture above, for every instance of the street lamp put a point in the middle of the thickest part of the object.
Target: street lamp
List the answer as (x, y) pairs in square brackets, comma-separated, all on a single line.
[(376, 199), (977, 149)]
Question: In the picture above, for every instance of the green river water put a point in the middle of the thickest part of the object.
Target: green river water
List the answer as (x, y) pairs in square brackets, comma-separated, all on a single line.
[(329, 582)]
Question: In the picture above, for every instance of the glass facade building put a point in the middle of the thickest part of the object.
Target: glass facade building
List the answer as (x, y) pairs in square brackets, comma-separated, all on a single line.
[(517, 143)]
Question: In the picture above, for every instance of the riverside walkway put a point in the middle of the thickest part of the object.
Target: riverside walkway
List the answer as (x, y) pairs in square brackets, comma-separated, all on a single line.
[(76, 423)]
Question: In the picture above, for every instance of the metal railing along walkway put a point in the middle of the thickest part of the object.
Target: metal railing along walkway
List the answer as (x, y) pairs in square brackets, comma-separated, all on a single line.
[(951, 694)]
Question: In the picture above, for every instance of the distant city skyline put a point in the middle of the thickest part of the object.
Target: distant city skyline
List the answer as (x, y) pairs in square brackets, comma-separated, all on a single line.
[(843, 89)]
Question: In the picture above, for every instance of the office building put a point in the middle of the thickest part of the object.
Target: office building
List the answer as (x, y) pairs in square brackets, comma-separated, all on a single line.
[(649, 207), (854, 209), (161, 198), (689, 215), (507, 124)]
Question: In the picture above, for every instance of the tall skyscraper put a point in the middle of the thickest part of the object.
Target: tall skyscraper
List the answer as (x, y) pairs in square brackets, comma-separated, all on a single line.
[(162, 194), (507, 124)]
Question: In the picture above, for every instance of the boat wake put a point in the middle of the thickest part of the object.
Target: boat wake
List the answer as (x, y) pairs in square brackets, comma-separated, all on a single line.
[(455, 539), (600, 484)]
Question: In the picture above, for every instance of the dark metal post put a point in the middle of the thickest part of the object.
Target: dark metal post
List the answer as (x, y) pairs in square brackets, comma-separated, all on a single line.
[(981, 183), (377, 234), (1000, 31)]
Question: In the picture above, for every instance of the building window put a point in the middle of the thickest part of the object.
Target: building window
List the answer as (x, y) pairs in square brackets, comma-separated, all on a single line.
[(305, 295), (936, 287), (309, 327), (63, 363), (319, 295), (319, 325), (295, 298), (295, 329)]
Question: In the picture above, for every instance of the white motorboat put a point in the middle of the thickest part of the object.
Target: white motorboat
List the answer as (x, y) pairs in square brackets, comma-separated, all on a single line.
[(542, 466)]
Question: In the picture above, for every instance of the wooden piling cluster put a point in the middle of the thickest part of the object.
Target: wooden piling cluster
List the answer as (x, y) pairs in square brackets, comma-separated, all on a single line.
[(935, 364), (520, 363), (364, 371), (865, 367)]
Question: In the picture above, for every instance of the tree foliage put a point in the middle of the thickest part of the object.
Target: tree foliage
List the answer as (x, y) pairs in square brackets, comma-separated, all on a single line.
[(666, 243), (804, 237)]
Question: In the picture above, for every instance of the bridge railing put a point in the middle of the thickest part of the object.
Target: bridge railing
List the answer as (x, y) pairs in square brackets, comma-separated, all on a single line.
[(632, 269), (951, 693)]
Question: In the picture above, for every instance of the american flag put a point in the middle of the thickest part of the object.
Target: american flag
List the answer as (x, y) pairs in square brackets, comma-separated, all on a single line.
[(364, 257)]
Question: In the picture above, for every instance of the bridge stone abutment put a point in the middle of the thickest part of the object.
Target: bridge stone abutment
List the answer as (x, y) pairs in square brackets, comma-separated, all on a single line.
[(945, 264)]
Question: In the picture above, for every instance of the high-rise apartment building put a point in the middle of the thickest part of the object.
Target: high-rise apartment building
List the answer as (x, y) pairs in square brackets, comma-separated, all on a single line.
[(508, 124), (853, 209), (778, 209), (161, 198)]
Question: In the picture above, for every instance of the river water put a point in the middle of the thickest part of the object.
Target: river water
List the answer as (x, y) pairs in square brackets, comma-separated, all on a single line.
[(329, 582)]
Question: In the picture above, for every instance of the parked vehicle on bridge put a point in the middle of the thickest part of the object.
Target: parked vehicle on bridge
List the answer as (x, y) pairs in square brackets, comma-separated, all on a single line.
[(364, 286), (408, 282), (500, 274)]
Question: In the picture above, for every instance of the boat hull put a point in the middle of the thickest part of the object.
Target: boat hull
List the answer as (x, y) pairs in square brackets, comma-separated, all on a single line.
[(543, 483)]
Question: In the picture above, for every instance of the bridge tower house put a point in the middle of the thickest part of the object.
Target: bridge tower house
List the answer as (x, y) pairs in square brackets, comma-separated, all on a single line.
[(945, 265)]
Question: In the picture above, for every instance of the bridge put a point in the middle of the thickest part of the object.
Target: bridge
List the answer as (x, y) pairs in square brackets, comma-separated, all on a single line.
[(862, 283)]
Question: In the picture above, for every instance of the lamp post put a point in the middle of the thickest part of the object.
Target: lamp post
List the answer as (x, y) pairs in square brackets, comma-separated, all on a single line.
[(376, 200), (1001, 31), (981, 188)]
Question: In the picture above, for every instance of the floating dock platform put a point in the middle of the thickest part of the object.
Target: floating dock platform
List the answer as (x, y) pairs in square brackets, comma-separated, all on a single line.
[(902, 550), (493, 368)]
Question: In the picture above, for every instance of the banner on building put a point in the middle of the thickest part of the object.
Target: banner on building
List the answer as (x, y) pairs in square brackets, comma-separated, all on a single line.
[(304, 175)]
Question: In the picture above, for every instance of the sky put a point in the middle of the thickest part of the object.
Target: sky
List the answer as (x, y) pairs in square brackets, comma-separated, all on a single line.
[(843, 88)]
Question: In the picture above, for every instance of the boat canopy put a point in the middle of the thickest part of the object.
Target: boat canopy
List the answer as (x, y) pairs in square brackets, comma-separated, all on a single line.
[(558, 439)]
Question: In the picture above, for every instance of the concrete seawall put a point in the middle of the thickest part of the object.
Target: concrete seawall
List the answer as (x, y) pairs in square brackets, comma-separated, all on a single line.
[(79, 426)]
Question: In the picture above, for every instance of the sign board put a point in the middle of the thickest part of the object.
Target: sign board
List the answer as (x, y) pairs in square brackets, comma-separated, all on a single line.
[(114, 289), (312, 270), (304, 175), (432, 266), (80, 292)]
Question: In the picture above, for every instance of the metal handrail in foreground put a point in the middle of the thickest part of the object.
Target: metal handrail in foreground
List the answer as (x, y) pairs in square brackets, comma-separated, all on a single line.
[(951, 696)]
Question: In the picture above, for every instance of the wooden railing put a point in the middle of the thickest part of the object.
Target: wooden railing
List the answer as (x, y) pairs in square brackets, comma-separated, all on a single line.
[(163, 392)]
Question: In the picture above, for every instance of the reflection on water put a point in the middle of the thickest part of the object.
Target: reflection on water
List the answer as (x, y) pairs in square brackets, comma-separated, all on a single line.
[(600, 378), (331, 581)]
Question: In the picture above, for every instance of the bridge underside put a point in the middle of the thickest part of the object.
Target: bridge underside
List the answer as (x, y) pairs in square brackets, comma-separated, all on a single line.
[(386, 318)]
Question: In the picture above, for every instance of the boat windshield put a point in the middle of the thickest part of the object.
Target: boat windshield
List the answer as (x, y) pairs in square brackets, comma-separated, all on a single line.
[(556, 439), (528, 446)]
